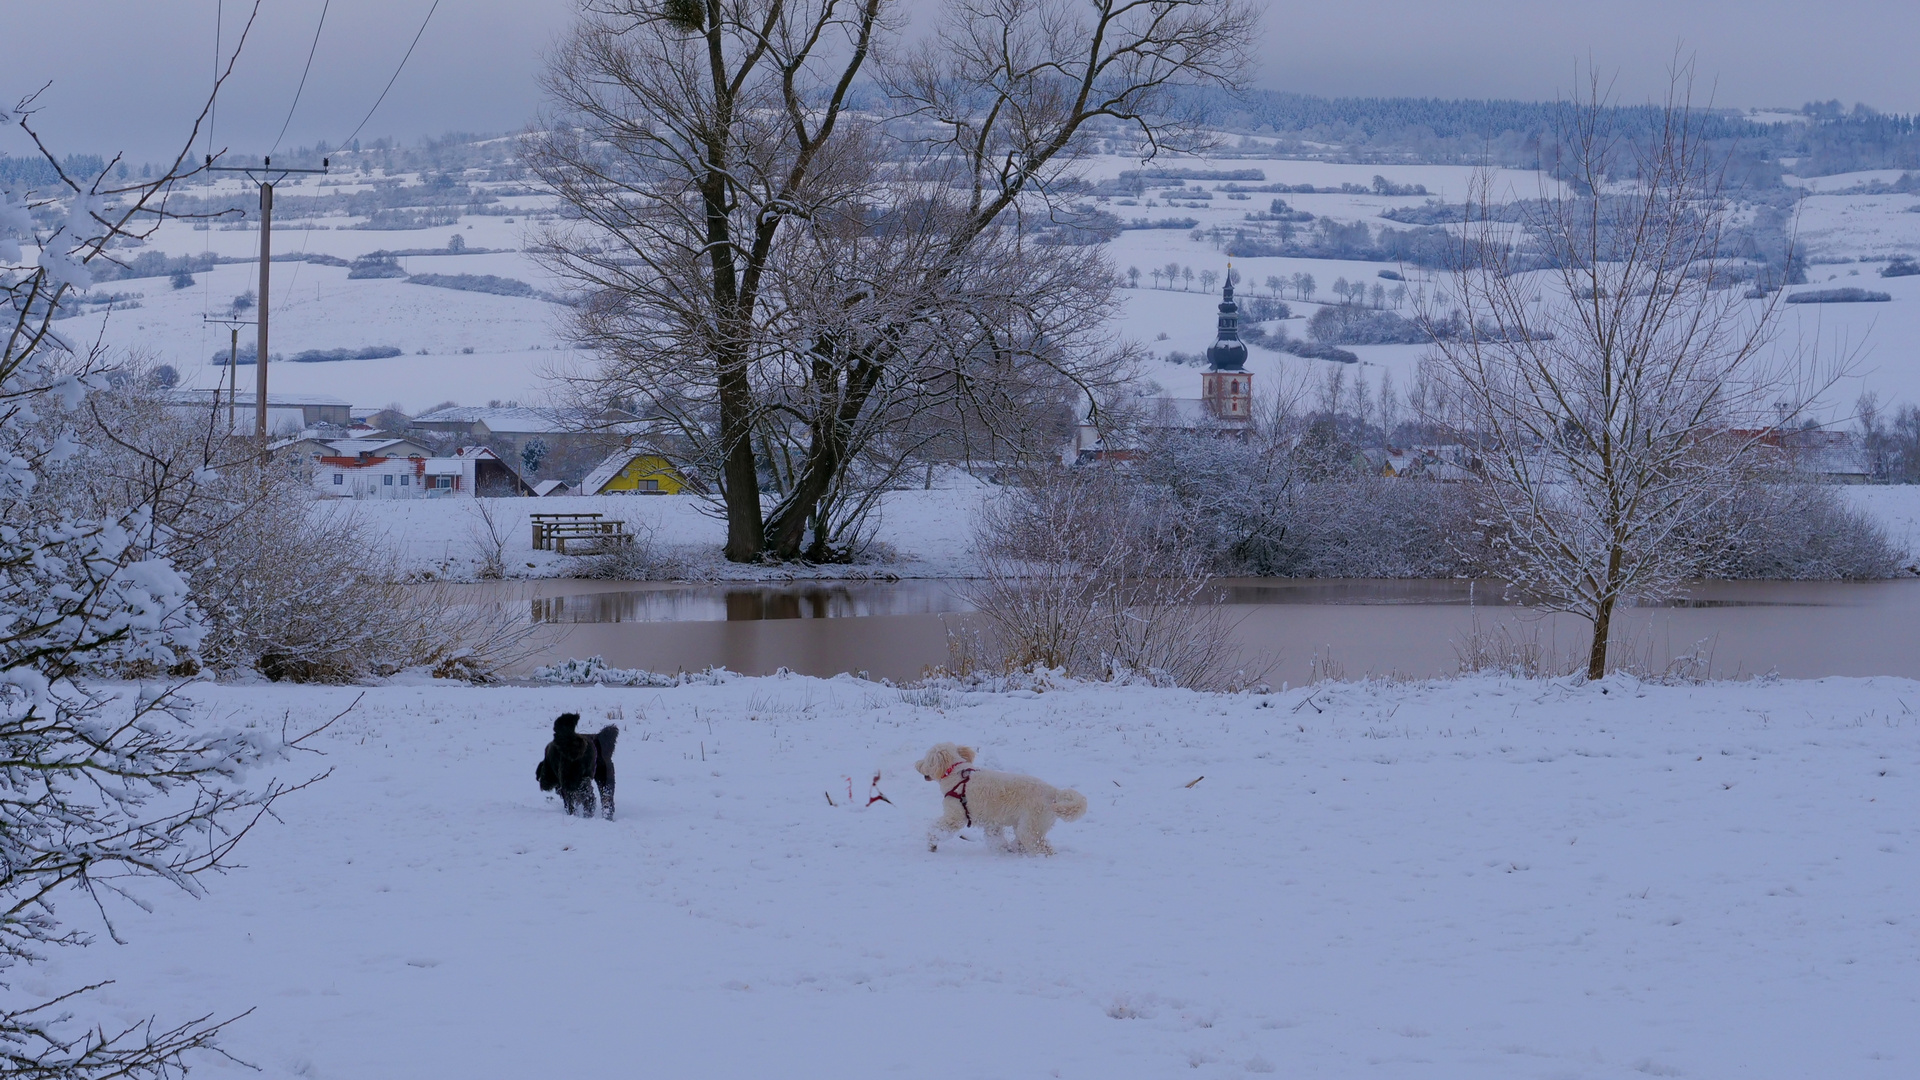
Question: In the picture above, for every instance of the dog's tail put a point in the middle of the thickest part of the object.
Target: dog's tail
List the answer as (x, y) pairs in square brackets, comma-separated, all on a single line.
[(607, 737), (1069, 804)]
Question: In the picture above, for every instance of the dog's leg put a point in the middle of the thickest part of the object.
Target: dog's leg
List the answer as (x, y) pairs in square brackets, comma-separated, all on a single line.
[(1031, 833), (588, 807), (950, 822), (606, 798)]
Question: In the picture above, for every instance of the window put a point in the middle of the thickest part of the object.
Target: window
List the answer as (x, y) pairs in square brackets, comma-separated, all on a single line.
[(649, 485), (406, 481), (387, 480), (339, 478)]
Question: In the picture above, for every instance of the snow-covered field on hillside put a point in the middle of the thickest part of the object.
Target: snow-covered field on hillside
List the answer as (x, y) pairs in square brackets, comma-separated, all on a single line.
[(515, 342), (1474, 878)]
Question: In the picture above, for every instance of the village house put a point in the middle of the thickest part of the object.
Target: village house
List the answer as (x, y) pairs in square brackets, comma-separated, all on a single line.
[(550, 444), (401, 469), (634, 472)]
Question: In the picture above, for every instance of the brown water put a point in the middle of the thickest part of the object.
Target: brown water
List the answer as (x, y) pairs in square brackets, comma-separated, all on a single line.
[(1294, 629)]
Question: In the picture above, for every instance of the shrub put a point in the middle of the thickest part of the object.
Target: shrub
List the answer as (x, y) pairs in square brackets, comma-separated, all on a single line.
[(1086, 571), (480, 283), (1315, 350), (1848, 295), (404, 220), (1901, 266), (1798, 532), (180, 279), (1259, 309), (1350, 324), (322, 356), (376, 266), (1274, 506)]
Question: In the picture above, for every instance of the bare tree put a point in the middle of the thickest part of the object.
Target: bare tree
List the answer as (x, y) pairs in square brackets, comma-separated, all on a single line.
[(684, 139), (790, 290), (1619, 396)]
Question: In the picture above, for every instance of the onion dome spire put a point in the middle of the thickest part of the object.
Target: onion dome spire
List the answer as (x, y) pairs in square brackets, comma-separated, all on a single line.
[(1228, 352)]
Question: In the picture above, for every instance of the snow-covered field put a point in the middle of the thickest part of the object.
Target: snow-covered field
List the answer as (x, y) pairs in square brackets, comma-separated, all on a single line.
[(515, 342), (1474, 878)]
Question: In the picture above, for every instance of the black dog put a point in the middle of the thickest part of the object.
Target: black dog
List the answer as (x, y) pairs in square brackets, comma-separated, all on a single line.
[(574, 763)]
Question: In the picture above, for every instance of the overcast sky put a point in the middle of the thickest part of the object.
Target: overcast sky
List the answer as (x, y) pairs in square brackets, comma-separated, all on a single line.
[(125, 72)]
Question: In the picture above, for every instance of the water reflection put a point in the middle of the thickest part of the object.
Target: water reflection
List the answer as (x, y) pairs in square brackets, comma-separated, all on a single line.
[(848, 600), (1411, 628), (634, 602)]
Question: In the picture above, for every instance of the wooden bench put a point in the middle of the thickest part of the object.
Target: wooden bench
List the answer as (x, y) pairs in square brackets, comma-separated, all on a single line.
[(547, 526), (577, 534)]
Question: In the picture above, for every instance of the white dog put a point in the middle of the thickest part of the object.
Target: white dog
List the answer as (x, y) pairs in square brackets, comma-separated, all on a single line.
[(995, 800)]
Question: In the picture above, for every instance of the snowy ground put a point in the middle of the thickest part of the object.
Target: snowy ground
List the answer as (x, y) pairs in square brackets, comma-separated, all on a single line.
[(918, 533), (1480, 878)]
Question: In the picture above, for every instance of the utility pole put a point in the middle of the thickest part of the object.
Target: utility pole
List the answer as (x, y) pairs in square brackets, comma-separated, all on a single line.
[(233, 367), (265, 176)]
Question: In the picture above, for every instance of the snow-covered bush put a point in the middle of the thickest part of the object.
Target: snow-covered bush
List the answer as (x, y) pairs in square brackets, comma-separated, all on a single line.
[(1088, 572), (287, 584), (1848, 295), (1289, 504), (1798, 532)]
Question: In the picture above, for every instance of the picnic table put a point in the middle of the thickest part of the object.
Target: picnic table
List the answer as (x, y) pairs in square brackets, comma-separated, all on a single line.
[(569, 533)]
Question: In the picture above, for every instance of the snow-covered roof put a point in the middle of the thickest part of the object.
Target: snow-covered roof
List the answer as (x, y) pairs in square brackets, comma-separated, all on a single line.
[(444, 466), (354, 447), (512, 419), (550, 487), (608, 469), (454, 414)]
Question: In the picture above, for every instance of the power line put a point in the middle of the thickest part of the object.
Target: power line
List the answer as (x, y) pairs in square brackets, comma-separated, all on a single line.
[(315, 47), (396, 77), (213, 115)]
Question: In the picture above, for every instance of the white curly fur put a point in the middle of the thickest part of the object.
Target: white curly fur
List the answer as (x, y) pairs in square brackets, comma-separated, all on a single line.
[(996, 800)]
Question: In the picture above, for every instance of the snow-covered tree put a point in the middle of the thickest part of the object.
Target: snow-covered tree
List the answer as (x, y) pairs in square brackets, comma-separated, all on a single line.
[(109, 781)]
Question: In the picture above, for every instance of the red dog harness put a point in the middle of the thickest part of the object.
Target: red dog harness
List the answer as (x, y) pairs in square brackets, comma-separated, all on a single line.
[(959, 790)]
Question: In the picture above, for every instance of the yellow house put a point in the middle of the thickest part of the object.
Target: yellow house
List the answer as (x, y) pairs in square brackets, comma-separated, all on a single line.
[(634, 472)]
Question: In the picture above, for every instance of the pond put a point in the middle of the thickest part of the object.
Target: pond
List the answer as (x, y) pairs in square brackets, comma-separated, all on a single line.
[(1292, 629)]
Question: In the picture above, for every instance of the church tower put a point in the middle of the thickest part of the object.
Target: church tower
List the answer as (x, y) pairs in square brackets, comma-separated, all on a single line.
[(1226, 387)]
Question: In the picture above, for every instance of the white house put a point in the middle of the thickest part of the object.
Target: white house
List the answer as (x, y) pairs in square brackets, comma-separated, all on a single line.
[(474, 471)]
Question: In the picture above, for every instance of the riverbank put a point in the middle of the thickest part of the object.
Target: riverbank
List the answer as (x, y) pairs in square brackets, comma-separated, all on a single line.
[(916, 533), (1480, 876)]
